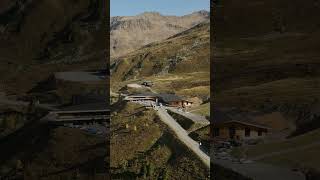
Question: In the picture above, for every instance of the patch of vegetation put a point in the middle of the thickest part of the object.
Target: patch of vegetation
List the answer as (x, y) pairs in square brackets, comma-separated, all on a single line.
[(202, 135), (221, 173), (203, 109), (169, 56), (133, 130), (46, 152), (143, 148), (298, 141), (183, 121), (300, 159)]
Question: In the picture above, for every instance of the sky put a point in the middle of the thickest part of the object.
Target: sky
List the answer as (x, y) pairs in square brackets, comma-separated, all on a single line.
[(165, 7)]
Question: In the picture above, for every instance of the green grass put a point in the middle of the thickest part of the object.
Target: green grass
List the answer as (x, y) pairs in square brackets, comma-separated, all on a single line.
[(150, 152), (52, 153), (203, 109), (307, 158), (184, 84), (180, 48), (298, 141), (291, 91), (184, 122), (133, 130)]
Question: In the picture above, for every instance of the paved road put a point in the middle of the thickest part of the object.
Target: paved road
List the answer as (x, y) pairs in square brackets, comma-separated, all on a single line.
[(260, 171), (194, 117), (183, 135)]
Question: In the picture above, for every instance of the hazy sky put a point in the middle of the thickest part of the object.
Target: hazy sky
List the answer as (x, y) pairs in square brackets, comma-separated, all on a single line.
[(166, 7)]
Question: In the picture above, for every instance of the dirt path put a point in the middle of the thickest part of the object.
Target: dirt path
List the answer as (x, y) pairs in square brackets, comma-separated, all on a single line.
[(183, 135)]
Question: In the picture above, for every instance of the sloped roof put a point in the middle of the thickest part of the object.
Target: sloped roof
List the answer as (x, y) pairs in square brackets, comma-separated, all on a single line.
[(221, 117), (87, 107), (163, 96), (170, 97), (145, 94), (90, 98)]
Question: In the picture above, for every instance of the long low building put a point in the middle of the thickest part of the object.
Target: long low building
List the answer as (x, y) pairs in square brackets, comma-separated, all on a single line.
[(79, 114), (165, 99)]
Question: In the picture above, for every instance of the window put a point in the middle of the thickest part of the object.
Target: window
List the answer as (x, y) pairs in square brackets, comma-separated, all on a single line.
[(247, 132), (216, 132), (260, 133)]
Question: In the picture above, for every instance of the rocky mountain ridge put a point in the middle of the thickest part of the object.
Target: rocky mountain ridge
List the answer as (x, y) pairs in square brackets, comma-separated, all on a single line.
[(128, 33), (186, 52)]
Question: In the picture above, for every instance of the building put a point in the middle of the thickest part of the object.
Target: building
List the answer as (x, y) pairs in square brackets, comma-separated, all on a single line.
[(90, 98), (226, 128), (173, 100), (164, 99), (81, 114), (142, 97)]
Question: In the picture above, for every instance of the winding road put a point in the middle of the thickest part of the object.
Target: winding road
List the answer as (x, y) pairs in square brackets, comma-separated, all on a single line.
[(194, 117), (182, 135)]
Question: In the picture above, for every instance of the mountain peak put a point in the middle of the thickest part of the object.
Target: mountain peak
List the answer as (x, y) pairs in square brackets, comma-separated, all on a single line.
[(150, 13), (202, 12), (129, 33)]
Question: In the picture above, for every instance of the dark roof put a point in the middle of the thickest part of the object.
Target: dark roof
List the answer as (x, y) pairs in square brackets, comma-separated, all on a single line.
[(169, 97), (86, 107), (219, 117), (164, 97), (146, 94), (89, 98), (222, 117)]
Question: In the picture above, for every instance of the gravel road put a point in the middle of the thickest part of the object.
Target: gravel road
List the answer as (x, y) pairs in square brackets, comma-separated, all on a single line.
[(183, 135)]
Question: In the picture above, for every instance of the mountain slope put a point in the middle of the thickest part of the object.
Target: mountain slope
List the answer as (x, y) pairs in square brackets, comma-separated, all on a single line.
[(42, 36), (131, 32), (269, 66), (185, 52)]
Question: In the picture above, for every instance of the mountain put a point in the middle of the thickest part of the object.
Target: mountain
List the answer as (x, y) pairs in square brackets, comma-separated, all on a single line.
[(128, 33), (266, 57), (185, 52), (42, 36)]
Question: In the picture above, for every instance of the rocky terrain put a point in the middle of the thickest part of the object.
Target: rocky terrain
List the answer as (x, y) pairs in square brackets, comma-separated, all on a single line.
[(185, 52), (128, 33)]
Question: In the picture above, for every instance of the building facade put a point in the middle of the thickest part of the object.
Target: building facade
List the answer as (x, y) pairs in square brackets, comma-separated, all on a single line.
[(238, 131)]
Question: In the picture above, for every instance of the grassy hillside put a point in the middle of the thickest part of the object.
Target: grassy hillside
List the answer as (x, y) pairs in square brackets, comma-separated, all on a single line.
[(298, 152), (39, 151), (179, 64), (185, 52), (143, 148), (266, 59), (40, 37), (266, 56)]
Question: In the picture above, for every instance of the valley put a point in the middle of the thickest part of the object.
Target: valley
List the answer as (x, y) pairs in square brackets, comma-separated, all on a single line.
[(151, 88)]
